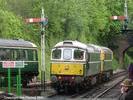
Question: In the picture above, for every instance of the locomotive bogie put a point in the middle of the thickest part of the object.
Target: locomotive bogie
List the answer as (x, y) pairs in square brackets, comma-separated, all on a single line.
[(61, 82)]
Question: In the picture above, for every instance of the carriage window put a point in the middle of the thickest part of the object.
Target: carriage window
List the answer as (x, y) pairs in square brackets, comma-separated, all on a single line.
[(35, 55), (32, 55), (5, 54), (14, 54), (18, 54), (56, 54), (78, 55), (67, 54), (26, 54)]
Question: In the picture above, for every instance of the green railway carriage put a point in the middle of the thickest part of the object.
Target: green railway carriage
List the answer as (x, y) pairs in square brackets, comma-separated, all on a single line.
[(75, 65), (19, 50)]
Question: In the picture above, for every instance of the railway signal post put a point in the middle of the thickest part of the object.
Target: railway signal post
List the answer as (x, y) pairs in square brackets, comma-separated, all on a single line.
[(43, 22), (124, 19)]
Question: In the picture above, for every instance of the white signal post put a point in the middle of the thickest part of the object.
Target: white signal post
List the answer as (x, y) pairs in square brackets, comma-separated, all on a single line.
[(42, 50), (43, 22), (123, 18)]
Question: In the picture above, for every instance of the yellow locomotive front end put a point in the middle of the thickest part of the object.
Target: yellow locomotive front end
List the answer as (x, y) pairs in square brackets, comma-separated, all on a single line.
[(66, 69)]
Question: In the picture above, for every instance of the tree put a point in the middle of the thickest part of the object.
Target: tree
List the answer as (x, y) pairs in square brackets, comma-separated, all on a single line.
[(11, 26)]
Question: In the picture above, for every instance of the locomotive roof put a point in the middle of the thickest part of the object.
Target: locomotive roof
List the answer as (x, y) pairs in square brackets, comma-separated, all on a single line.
[(88, 47), (16, 43)]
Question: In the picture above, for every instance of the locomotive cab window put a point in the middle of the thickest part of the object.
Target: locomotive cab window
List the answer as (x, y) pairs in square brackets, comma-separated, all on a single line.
[(56, 54), (67, 54), (78, 54)]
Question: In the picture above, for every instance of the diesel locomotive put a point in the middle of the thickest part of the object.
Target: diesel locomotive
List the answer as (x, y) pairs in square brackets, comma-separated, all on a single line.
[(75, 65), (18, 50)]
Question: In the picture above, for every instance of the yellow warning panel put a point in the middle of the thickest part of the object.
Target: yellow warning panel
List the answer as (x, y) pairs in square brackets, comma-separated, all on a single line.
[(102, 55), (67, 69)]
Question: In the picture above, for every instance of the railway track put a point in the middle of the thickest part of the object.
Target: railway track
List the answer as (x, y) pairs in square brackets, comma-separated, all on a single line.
[(102, 89), (105, 90), (98, 91), (106, 93)]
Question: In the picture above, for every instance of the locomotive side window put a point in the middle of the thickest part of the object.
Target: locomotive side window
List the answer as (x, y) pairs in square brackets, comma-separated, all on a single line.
[(56, 54), (67, 54), (78, 55)]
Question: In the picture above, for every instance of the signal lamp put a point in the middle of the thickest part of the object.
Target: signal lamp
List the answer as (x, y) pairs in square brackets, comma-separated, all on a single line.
[(59, 77), (73, 78)]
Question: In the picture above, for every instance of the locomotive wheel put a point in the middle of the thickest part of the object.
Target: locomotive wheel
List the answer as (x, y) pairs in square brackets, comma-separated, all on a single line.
[(58, 90), (77, 88), (58, 87), (66, 89)]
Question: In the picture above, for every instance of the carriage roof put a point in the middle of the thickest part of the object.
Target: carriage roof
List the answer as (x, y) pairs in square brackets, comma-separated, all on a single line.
[(16, 43), (88, 47)]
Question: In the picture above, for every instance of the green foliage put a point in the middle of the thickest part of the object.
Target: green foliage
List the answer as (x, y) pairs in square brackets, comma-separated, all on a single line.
[(128, 57), (127, 60), (3, 4), (11, 26), (115, 64)]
